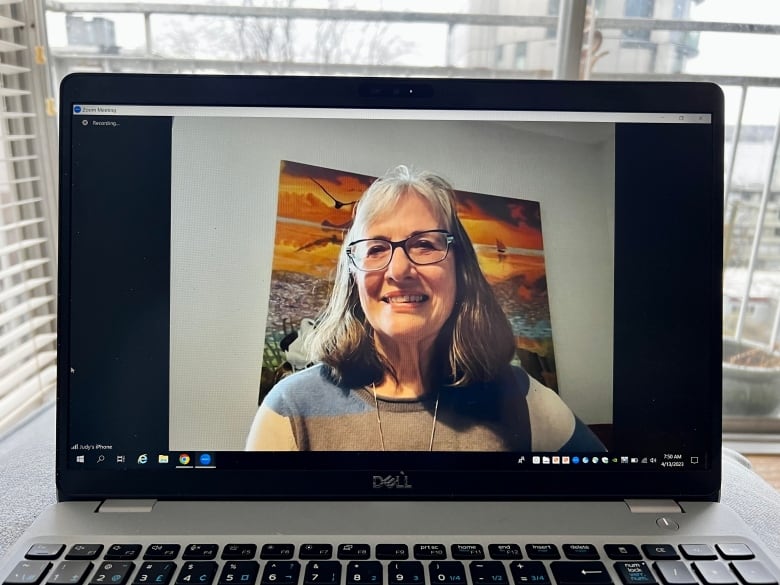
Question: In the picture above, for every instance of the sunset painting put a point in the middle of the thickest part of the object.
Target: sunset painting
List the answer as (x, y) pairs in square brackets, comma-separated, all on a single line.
[(315, 211)]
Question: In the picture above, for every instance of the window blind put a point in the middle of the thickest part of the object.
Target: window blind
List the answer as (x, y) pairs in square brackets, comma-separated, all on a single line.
[(27, 216)]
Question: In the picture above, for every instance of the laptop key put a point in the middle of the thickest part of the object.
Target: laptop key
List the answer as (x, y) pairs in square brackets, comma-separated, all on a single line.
[(734, 550), (70, 572), (467, 551), (113, 573), (123, 552), (28, 573), (277, 551), (200, 552), (392, 552), (354, 552), (84, 552), (316, 551), (488, 572), (660, 552), (580, 573), (197, 573), (237, 552), (447, 573), (281, 573), (364, 573), (155, 573), (698, 551), (322, 573), (753, 573), (239, 572), (529, 572), (622, 552), (714, 573), (635, 573), (431, 552), (504, 551), (161, 552), (542, 551), (581, 552), (674, 573), (42, 552), (406, 573)]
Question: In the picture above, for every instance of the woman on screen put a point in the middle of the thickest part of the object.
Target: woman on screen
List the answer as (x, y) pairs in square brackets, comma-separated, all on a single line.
[(413, 351)]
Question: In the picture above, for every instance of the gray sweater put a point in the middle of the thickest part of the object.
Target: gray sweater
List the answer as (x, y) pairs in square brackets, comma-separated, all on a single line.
[(309, 412)]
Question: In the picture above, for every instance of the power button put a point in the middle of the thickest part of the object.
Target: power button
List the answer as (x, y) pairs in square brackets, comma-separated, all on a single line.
[(667, 523)]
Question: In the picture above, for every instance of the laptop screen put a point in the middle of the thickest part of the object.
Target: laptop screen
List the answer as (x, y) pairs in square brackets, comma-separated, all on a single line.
[(388, 295)]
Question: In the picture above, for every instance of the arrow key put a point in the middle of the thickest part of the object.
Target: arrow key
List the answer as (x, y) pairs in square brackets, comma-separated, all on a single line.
[(585, 573)]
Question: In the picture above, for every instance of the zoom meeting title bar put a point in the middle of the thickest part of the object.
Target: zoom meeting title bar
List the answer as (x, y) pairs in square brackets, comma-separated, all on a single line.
[(328, 113)]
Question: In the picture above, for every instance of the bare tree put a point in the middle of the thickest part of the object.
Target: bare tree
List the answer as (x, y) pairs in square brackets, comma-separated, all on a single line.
[(266, 39), (369, 43), (282, 41)]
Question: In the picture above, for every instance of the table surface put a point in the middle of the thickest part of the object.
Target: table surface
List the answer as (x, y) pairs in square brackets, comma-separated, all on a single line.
[(27, 484)]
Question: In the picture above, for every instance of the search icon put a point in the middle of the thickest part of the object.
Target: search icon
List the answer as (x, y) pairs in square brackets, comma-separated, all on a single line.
[(101, 458)]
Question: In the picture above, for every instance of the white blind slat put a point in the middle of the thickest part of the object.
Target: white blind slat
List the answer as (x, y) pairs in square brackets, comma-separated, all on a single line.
[(20, 224), (20, 203), (23, 245), (19, 158), (13, 137), (6, 22), (6, 69), (25, 286), (30, 394), (8, 92), (22, 374), (8, 47), (24, 351), (21, 267), (20, 180), (28, 307), (16, 115), (25, 328)]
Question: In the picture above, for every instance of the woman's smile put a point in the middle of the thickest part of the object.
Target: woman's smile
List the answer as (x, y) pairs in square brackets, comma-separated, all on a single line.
[(404, 299)]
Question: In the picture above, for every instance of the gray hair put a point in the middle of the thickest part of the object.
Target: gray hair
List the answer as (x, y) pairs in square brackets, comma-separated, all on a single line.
[(475, 343)]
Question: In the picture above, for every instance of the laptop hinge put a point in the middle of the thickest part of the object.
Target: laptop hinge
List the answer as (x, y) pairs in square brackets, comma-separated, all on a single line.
[(126, 506), (654, 507)]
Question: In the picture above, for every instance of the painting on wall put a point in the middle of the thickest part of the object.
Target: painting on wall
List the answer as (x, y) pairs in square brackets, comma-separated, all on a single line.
[(314, 212)]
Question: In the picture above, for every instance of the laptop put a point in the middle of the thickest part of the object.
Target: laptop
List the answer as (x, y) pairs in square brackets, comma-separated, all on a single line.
[(208, 228)]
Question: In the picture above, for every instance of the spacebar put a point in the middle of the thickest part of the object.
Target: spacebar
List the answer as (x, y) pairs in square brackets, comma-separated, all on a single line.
[(580, 573)]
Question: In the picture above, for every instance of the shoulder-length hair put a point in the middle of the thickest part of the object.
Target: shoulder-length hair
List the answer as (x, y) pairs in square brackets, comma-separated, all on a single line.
[(475, 343)]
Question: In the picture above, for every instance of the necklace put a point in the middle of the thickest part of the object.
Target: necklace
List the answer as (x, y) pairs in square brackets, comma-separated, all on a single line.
[(379, 419)]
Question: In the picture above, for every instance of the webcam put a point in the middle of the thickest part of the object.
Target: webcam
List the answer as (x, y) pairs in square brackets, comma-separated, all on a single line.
[(396, 90)]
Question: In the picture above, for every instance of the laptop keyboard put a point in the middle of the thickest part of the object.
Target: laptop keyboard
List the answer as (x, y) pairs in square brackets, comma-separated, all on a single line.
[(390, 564)]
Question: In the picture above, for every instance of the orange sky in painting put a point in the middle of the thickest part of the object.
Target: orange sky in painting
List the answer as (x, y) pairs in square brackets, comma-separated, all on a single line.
[(304, 244), (306, 249), (302, 198)]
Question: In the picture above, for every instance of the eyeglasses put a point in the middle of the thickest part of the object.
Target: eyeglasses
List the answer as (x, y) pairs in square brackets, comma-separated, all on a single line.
[(427, 247)]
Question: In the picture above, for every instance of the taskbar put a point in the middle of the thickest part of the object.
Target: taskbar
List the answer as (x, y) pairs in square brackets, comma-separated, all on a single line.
[(107, 457)]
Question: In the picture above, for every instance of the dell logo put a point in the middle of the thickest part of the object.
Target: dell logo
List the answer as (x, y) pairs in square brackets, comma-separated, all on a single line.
[(398, 482)]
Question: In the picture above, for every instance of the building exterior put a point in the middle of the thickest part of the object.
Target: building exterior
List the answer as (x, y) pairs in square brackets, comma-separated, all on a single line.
[(533, 49)]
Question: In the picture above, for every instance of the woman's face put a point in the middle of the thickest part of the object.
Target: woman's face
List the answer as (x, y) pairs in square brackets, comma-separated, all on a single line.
[(407, 303)]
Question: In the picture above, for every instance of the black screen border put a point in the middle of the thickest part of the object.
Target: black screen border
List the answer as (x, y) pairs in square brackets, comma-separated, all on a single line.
[(357, 482)]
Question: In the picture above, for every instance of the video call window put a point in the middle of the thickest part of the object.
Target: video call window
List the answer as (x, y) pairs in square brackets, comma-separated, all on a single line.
[(263, 211)]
